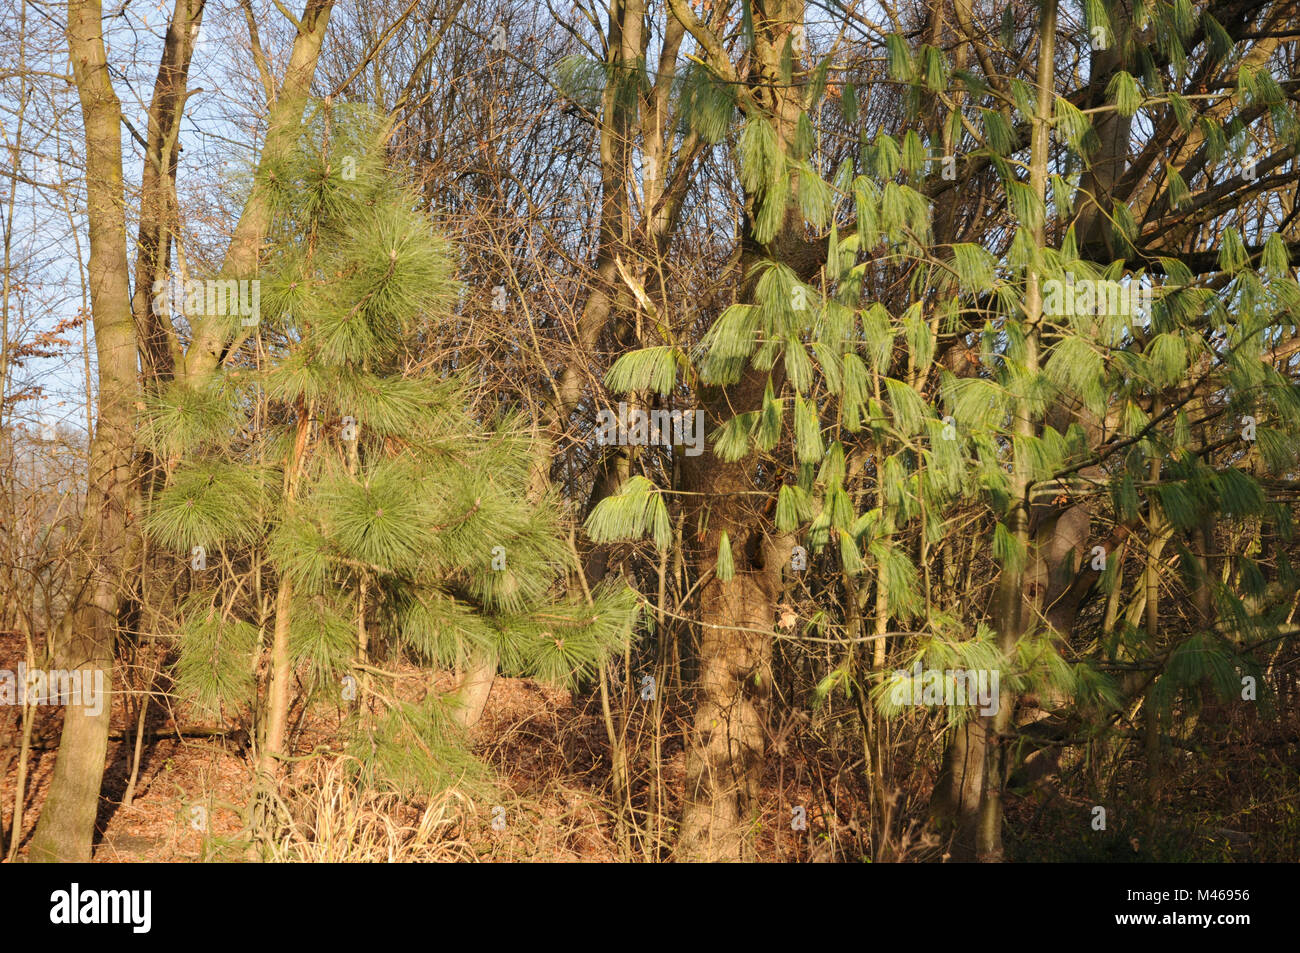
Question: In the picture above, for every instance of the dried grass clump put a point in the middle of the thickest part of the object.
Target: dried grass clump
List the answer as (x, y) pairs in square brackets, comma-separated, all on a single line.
[(333, 819)]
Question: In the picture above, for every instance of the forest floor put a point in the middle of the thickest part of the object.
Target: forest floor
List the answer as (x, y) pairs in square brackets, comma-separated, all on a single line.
[(547, 748), (549, 755)]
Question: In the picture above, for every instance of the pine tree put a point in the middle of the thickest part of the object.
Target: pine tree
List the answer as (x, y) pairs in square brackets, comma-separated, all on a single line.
[(338, 511), (875, 449)]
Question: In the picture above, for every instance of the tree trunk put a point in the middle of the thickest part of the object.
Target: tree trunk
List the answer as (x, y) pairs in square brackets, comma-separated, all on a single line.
[(85, 637), (956, 803), (724, 751), (158, 346), (724, 756), (473, 692), (210, 343), (1012, 617)]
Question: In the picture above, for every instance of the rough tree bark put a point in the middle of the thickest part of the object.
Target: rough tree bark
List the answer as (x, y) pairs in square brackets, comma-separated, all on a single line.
[(725, 749)]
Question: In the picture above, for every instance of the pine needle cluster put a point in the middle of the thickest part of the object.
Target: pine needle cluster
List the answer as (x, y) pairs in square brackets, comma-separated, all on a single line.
[(331, 483)]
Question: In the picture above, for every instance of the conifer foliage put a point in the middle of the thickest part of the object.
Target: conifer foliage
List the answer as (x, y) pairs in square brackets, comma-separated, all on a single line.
[(1096, 386), (339, 510), (956, 358)]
